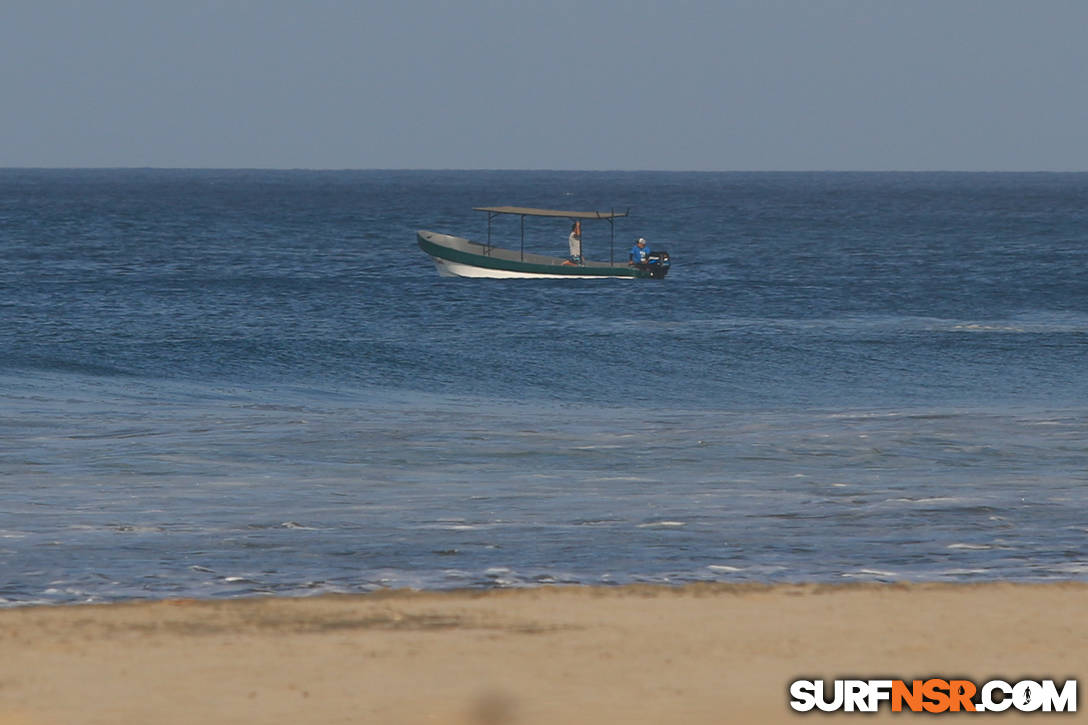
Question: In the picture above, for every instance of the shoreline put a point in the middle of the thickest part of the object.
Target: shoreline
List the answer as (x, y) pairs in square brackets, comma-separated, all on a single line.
[(701, 653)]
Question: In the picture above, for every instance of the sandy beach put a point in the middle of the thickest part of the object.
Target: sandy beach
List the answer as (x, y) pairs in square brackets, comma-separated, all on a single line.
[(636, 654)]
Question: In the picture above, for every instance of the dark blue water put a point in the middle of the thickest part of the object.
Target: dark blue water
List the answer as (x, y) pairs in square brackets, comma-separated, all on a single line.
[(220, 383)]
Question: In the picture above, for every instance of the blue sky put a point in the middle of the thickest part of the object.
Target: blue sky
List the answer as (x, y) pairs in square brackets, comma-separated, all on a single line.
[(729, 85)]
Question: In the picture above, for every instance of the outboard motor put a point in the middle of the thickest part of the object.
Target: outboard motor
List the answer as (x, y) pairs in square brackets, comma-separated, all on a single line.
[(657, 262)]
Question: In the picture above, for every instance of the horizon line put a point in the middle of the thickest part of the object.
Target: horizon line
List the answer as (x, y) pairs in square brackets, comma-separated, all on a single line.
[(541, 170)]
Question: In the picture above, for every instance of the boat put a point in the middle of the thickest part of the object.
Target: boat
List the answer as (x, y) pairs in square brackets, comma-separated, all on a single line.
[(459, 257)]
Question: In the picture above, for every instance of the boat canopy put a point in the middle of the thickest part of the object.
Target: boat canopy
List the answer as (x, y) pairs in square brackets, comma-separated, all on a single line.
[(526, 211)]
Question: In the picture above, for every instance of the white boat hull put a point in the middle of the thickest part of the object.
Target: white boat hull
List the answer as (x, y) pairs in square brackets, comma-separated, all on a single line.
[(447, 268), (459, 257)]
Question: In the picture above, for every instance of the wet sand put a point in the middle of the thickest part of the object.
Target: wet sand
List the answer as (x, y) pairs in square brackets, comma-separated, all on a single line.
[(638, 654)]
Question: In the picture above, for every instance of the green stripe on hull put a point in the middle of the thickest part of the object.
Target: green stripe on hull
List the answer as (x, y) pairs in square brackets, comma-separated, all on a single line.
[(486, 262)]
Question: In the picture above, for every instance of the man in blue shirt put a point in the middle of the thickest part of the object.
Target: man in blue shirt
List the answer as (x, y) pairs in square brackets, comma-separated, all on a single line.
[(639, 253)]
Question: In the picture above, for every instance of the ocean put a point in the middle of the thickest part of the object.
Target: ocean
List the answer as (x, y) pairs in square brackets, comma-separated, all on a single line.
[(241, 383)]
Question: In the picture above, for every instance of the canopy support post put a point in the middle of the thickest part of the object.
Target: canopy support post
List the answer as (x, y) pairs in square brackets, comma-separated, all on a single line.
[(612, 244)]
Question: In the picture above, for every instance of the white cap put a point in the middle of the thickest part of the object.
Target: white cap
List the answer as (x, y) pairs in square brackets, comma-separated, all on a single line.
[(641, 240)]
